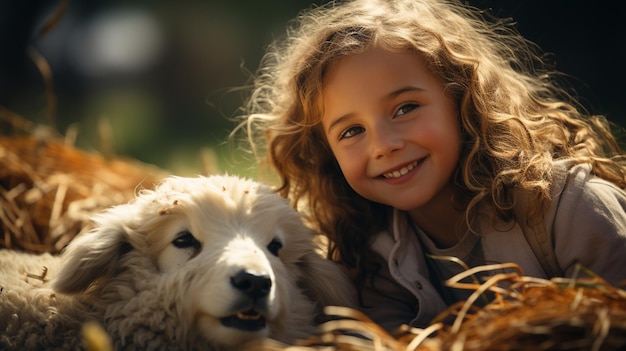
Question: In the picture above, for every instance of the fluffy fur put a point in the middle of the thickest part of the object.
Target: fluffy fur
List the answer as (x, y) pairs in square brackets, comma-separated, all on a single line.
[(198, 263)]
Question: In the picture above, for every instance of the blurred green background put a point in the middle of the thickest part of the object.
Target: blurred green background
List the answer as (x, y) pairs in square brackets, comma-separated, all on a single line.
[(167, 77)]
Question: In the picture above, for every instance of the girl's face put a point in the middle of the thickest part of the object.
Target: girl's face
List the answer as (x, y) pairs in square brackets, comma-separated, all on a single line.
[(392, 128)]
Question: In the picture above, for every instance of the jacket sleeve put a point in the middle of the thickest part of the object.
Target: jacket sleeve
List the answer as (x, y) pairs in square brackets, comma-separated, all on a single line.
[(590, 226)]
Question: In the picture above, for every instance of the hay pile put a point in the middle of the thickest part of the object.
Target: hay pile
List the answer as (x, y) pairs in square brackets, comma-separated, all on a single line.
[(537, 314), (49, 189), (528, 314)]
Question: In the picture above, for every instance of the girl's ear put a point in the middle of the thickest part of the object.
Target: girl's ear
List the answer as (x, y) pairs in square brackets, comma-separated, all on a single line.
[(324, 282), (89, 257)]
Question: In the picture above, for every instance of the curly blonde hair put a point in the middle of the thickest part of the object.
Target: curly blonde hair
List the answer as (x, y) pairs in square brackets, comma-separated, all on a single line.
[(515, 118)]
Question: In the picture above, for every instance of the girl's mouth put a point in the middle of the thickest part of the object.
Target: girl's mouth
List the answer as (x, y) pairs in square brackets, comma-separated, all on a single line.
[(402, 171)]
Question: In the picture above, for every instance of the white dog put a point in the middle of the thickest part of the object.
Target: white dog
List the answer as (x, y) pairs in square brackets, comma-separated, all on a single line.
[(197, 263)]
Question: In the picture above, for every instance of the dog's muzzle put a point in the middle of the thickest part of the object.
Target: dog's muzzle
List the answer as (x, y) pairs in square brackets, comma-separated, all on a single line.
[(251, 306)]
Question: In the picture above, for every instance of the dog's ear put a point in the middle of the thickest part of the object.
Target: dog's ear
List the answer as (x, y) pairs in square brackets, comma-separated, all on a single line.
[(324, 282), (91, 256)]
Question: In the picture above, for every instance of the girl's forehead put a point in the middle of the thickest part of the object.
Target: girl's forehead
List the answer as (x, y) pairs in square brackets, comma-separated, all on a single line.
[(370, 53), (374, 65)]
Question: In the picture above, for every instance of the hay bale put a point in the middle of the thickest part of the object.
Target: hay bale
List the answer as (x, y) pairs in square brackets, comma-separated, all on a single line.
[(48, 190)]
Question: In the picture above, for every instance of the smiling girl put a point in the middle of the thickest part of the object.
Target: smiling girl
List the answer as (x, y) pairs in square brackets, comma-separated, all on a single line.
[(411, 129)]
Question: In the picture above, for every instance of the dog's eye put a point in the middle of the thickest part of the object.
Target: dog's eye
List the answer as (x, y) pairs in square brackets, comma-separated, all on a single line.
[(184, 240), (274, 246)]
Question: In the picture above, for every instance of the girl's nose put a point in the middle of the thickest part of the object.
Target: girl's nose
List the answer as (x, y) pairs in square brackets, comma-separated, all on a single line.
[(384, 140)]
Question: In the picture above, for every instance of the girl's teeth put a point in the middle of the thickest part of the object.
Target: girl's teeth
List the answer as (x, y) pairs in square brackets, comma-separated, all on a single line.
[(402, 171)]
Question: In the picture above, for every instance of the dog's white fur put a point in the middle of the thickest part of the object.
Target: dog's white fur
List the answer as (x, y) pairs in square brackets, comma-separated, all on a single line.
[(172, 270)]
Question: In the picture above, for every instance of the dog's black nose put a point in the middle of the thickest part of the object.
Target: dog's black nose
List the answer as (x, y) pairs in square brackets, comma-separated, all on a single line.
[(255, 286)]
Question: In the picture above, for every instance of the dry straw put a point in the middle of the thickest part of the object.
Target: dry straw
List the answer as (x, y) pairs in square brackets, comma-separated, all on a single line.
[(527, 314), (49, 189)]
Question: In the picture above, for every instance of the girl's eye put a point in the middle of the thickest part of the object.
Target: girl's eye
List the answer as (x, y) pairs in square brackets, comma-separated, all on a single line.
[(350, 132), (405, 109), (185, 239)]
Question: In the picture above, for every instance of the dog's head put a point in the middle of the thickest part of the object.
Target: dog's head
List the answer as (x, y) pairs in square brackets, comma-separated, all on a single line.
[(228, 253)]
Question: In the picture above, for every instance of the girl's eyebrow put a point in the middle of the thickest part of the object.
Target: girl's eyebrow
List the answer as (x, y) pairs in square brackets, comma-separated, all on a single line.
[(391, 95), (338, 121), (404, 89)]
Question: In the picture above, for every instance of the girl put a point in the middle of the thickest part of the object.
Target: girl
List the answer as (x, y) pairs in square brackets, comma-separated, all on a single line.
[(410, 130)]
